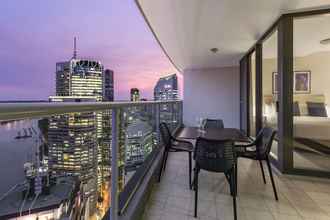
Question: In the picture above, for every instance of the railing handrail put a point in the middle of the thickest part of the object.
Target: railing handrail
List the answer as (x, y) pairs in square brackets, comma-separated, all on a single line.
[(15, 111)]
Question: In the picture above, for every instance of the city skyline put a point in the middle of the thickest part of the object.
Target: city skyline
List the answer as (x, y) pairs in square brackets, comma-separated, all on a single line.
[(117, 36)]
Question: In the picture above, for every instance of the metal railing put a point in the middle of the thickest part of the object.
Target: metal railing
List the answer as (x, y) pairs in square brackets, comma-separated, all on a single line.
[(125, 117)]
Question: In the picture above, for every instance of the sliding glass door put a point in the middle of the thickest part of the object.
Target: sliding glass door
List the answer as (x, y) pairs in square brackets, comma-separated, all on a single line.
[(286, 86), (311, 92), (270, 88)]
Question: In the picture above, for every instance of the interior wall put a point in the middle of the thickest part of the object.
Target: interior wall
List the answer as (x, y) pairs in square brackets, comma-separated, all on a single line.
[(317, 63), (211, 93)]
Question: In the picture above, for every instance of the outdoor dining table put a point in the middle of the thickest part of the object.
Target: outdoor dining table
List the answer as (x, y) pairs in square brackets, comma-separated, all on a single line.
[(233, 134), (221, 134)]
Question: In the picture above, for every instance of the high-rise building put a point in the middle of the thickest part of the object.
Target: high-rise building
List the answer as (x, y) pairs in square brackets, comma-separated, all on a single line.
[(108, 91), (135, 95), (104, 153), (76, 143), (139, 143), (167, 88), (79, 78), (73, 146)]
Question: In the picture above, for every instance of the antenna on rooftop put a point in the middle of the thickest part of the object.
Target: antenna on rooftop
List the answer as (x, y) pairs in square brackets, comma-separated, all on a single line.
[(75, 48)]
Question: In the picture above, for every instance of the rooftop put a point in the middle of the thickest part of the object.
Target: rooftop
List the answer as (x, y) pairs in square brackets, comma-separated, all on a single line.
[(10, 205)]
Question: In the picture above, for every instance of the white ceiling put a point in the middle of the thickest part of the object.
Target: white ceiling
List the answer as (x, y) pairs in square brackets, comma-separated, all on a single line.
[(307, 34), (188, 29)]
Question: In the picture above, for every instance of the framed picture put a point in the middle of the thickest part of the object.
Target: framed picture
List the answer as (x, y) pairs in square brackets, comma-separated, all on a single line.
[(302, 82), (275, 83)]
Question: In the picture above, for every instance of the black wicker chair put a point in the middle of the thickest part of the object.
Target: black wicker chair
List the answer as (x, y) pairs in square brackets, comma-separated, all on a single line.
[(215, 156), (172, 144), (212, 123), (262, 144)]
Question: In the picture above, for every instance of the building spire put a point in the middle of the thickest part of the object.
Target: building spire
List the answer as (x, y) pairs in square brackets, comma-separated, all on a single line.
[(75, 48)]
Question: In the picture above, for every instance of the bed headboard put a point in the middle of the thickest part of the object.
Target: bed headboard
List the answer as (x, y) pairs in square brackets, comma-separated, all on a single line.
[(303, 98)]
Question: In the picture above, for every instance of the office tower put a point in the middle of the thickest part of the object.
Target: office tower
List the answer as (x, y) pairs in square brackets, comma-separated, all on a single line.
[(139, 143), (79, 77), (73, 146), (108, 91), (75, 140), (166, 88), (104, 153), (135, 95)]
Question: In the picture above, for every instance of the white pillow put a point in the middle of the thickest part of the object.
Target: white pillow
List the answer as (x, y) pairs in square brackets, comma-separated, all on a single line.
[(303, 109)]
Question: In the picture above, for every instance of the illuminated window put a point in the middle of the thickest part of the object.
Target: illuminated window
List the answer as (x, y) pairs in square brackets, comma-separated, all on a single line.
[(65, 157)]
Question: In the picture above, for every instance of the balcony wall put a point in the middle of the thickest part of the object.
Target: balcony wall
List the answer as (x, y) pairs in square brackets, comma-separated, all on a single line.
[(211, 93)]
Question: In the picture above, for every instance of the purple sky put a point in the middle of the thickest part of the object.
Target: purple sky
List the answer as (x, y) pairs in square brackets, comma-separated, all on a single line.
[(35, 34)]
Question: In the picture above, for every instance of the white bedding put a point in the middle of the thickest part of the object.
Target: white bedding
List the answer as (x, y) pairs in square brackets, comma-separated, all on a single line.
[(317, 128), (311, 127)]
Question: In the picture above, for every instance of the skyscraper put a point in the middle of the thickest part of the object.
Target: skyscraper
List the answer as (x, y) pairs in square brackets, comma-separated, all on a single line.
[(108, 91), (166, 88), (104, 154), (135, 95), (139, 143), (75, 140), (79, 78), (72, 140)]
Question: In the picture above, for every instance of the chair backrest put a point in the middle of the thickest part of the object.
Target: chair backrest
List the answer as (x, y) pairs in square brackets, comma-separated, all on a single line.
[(216, 156), (264, 142), (213, 123), (165, 135)]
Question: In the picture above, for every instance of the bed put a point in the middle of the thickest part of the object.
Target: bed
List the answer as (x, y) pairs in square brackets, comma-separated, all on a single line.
[(309, 129), (306, 126)]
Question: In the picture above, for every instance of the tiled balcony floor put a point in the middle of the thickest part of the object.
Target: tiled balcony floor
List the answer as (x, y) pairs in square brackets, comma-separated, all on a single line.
[(299, 197)]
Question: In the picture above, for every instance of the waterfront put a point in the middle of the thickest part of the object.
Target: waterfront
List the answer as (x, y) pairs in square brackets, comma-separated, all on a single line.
[(15, 152)]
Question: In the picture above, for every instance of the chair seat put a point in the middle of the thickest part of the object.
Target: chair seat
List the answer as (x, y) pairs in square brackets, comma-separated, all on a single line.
[(247, 154), (182, 146), (251, 155)]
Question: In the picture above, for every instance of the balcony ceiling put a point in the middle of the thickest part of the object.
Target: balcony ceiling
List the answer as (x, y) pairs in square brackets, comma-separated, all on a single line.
[(307, 34), (188, 29)]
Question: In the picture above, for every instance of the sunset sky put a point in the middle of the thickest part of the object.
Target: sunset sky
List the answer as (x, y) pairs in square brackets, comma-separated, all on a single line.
[(35, 34)]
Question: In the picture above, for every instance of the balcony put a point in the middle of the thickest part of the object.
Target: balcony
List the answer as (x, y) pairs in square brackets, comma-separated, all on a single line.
[(136, 192), (206, 40), (240, 61), (299, 197)]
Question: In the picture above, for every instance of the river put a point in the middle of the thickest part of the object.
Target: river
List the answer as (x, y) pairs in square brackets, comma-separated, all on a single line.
[(15, 152)]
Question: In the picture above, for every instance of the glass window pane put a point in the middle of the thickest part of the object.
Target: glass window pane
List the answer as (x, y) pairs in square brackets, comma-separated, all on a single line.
[(311, 92), (270, 85), (253, 95)]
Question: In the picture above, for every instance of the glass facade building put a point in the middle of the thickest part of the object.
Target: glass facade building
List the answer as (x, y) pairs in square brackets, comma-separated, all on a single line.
[(108, 86), (166, 88), (77, 143)]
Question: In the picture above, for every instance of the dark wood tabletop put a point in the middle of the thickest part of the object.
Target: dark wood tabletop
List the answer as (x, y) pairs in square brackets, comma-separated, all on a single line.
[(233, 134)]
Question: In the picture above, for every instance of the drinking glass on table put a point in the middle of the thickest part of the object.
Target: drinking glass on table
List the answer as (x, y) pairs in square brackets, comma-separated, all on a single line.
[(201, 125)]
